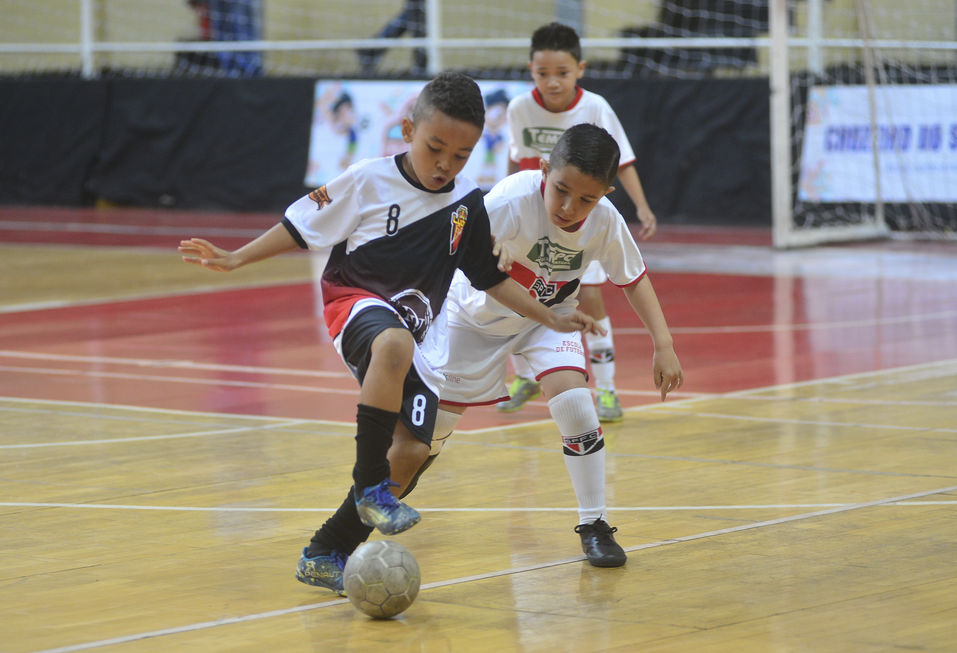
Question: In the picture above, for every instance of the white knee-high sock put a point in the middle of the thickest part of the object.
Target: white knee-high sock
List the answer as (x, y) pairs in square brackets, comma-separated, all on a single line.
[(601, 352), (584, 449)]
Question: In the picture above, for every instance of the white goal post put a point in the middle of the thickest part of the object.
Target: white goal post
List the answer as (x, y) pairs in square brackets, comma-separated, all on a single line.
[(864, 123)]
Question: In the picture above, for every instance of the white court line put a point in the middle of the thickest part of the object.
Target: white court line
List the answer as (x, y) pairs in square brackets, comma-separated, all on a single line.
[(837, 400), (179, 364), (54, 304), (238, 509), (229, 368), (120, 408), (172, 364), (177, 379), (841, 378), (190, 365), (486, 576), (138, 230), (680, 403), (146, 438), (785, 327), (805, 422)]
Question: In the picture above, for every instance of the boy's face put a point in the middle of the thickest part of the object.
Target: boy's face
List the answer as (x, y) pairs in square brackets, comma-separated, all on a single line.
[(556, 73), (570, 194), (439, 148)]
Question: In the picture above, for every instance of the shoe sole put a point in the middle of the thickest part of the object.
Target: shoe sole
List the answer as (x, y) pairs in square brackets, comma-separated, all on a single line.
[(605, 564), (394, 531), (307, 580)]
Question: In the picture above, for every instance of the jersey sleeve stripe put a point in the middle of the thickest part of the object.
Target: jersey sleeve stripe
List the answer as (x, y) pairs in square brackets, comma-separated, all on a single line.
[(631, 283), (291, 228)]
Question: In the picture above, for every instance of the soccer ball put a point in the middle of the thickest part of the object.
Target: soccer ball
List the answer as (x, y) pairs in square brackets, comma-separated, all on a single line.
[(381, 578)]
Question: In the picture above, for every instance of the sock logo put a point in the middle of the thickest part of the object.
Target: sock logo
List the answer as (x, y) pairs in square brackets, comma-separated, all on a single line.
[(584, 444), (602, 356)]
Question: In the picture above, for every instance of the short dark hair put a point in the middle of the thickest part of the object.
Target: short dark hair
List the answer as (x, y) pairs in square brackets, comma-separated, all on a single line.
[(342, 100), (558, 37), (589, 148), (454, 94)]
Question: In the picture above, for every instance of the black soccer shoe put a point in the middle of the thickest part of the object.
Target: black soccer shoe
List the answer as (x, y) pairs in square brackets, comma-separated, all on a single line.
[(599, 545)]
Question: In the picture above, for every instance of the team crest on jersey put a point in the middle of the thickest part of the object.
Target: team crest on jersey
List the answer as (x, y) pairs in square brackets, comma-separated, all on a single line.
[(321, 197), (554, 258), (459, 217), (549, 292), (542, 139)]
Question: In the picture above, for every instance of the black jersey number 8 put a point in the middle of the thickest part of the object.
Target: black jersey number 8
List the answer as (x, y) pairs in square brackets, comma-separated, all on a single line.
[(392, 222)]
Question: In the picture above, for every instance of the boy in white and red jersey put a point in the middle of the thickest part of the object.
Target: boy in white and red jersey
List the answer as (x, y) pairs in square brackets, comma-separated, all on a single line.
[(535, 122), (396, 229), (549, 226)]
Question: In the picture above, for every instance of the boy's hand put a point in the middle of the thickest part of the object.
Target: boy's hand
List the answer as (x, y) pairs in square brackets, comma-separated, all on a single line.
[(202, 252), (667, 371), (504, 260), (577, 321), (649, 223)]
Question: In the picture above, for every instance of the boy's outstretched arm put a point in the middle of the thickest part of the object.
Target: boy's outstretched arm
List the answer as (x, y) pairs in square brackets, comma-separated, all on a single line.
[(511, 294), (276, 240), (628, 176), (665, 366)]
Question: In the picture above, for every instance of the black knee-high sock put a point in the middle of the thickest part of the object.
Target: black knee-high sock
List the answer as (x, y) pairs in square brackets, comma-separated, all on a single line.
[(342, 532), (374, 428)]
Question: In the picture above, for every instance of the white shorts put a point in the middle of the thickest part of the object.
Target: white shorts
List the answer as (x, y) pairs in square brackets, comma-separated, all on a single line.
[(594, 274), (478, 362)]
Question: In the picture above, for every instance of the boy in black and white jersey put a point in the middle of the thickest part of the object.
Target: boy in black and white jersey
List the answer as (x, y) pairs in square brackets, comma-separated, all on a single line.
[(397, 228)]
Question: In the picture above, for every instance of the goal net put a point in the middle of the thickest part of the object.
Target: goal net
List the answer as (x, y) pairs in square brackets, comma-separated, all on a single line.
[(873, 122)]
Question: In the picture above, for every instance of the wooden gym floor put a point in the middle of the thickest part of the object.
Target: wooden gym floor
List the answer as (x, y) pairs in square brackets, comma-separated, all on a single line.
[(170, 438)]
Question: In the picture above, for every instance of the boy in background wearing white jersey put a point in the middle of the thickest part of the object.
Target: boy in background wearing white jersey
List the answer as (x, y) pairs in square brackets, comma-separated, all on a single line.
[(535, 122), (397, 228)]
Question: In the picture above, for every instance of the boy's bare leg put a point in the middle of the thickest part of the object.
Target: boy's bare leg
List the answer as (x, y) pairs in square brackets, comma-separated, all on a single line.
[(380, 400), (406, 455)]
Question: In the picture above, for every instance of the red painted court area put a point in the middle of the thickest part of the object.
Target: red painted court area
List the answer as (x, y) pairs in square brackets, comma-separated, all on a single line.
[(264, 351)]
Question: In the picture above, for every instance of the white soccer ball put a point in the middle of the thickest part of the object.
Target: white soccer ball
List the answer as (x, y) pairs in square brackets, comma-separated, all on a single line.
[(381, 578)]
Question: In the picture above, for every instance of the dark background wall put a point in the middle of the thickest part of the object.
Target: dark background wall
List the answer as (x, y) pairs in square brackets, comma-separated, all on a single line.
[(242, 144)]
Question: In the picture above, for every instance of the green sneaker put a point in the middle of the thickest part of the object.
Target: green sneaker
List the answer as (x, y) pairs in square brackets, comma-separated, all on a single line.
[(608, 406), (521, 392)]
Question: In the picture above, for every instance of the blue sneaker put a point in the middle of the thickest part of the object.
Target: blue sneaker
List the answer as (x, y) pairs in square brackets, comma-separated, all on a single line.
[(322, 571), (378, 507)]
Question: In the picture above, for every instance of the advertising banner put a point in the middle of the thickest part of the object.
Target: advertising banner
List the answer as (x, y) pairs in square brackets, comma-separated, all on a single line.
[(354, 120), (916, 141)]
